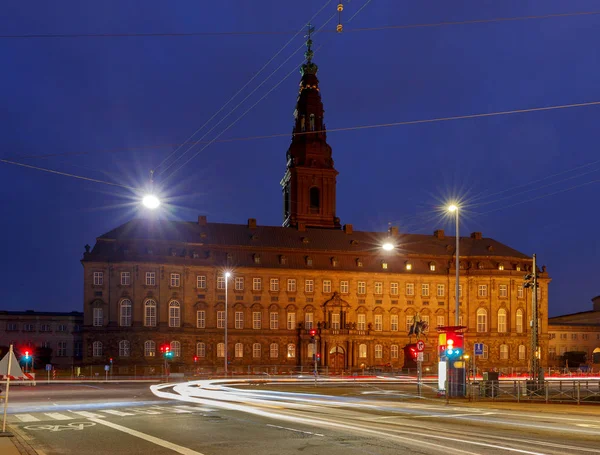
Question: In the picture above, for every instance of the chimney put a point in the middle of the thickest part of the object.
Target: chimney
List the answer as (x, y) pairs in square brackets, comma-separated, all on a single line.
[(393, 230), (301, 227), (476, 235), (252, 223), (348, 228), (202, 220), (439, 234), (596, 301)]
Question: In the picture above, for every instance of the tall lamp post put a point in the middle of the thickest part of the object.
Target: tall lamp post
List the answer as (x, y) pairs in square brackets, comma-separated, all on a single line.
[(227, 275), (454, 209)]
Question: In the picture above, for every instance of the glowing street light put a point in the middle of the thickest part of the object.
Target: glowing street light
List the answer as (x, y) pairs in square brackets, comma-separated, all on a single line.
[(150, 201), (388, 246)]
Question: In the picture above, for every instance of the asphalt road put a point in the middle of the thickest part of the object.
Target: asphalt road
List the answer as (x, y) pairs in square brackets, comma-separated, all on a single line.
[(346, 419)]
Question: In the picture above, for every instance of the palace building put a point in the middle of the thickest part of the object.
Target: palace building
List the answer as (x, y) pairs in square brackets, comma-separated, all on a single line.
[(150, 283)]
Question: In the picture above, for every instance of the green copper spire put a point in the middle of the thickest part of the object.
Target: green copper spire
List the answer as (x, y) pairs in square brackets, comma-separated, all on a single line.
[(309, 67)]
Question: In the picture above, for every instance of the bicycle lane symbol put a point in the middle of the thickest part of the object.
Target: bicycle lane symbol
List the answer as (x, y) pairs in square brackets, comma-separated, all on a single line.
[(77, 426)]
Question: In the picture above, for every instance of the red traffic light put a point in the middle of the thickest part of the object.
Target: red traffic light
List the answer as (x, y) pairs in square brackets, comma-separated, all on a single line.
[(195, 358), (26, 354), (312, 332)]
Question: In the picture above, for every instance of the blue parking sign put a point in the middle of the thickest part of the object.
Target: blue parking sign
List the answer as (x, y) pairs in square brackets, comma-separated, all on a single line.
[(48, 367), (478, 348)]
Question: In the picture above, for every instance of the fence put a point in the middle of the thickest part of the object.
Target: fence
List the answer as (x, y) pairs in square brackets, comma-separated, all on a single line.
[(555, 391)]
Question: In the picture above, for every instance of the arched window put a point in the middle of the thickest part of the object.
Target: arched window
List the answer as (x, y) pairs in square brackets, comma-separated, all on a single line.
[(485, 352), (519, 320), (125, 313), (150, 313), (174, 314), (501, 320), (256, 350), (291, 351), (482, 324), (98, 317), (97, 349), (312, 122), (201, 350), (123, 348), (149, 348), (220, 350), (362, 351), (315, 199), (274, 350), (239, 350), (522, 352), (378, 351), (503, 352), (176, 348)]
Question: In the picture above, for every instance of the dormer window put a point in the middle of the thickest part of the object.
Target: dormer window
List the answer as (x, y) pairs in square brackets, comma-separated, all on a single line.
[(408, 265), (432, 266), (195, 254), (173, 252), (480, 265), (500, 266), (257, 258), (283, 260), (309, 261), (335, 262), (359, 262), (518, 268), (384, 265)]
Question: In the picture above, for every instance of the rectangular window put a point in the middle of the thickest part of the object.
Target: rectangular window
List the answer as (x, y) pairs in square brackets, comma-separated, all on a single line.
[(201, 281), (62, 349), (440, 321), (409, 320), (460, 291), (239, 283), (239, 319), (309, 286), (482, 290), (327, 286), (274, 285), (175, 280), (239, 350), (378, 287), (256, 284), (201, 350), (344, 287), (378, 322), (441, 290), (425, 318), (394, 351), (503, 290), (62, 327), (274, 321), (220, 282), (98, 317), (150, 278), (308, 321), (378, 351), (291, 285), (256, 320), (394, 288), (335, 321), (220, 350), (291, 321), (362, 287), (394, 322), (125, 278), (362, 322), (220, 319), (201, 319), (520, 292), (77, 349), (98, 278), (410, 289), (425, 290)]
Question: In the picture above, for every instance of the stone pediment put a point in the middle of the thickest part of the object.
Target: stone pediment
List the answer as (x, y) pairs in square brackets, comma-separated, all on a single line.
[(336, 301)]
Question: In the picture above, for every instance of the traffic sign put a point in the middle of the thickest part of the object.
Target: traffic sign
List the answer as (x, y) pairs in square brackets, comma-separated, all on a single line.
[(106, 367), (420, 357), (48, 367), (420, 346), (478, 348)]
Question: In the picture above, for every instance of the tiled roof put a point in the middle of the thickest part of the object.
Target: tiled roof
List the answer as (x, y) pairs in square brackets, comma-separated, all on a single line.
[(311, 240)]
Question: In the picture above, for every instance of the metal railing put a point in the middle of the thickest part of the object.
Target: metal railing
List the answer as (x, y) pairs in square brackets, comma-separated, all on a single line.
[(555, 391)]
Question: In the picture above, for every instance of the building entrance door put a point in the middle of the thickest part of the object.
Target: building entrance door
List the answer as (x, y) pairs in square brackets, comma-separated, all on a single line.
[(337, 359)]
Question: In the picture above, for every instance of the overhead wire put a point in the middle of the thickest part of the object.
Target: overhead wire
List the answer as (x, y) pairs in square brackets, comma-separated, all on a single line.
[(244, 86)]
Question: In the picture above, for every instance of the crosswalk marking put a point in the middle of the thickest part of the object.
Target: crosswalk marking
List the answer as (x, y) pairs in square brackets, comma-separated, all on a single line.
[(26, 418), (58, 416), (117, 413), (144, 411), (89, 415)]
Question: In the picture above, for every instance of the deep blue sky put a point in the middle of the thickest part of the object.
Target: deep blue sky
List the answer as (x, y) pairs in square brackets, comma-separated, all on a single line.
[(124, 100)]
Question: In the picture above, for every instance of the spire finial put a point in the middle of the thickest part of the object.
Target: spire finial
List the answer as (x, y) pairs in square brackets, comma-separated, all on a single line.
[(309, 52)]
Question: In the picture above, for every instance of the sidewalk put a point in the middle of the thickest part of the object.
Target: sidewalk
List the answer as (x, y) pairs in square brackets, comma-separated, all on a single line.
[(7, 446)]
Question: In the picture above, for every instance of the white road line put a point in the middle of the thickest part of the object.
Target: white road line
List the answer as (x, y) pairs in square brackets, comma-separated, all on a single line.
[(293, 429), (26, 418), (170, 409), (144, 411), (58, 416), (117, 413), (147, 437), (89, 415), (194, 408)]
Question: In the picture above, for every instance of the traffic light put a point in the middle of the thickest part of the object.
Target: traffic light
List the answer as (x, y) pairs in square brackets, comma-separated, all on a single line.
[(312, 332), (110, 360), (412, 349), (26, 355), (195, 359), (318, 357), (168, 352), (454, 345)]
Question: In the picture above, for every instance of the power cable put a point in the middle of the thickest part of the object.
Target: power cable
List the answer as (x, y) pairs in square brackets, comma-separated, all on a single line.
[(289, 32), (244, 86)]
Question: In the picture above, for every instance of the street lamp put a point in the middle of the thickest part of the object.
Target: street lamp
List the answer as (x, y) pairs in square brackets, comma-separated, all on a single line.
[(454, 209), (150, 201), (227, 275), (388, 246)]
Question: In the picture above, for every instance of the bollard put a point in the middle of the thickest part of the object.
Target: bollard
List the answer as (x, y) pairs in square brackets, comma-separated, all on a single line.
[(578, 393)]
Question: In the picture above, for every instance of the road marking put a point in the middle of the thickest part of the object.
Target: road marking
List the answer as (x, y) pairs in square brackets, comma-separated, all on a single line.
[(70, 426), (117, 413), (170, 409), (144, 411), (194, 408), (26, 418), (58, 416), (149, 438), (293, 429), (89, 415)]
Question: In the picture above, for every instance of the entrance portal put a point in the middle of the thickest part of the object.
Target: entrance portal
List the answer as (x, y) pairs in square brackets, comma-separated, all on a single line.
[(337, 359)]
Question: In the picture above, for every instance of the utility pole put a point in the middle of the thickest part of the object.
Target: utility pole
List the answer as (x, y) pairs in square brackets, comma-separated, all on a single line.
[(532, 282)]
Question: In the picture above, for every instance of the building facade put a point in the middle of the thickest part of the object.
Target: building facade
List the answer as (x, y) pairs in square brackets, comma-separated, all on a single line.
[(31, 330), (150, 283)]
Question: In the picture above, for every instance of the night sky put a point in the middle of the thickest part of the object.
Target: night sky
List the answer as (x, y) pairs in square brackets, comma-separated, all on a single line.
[(112, 108)]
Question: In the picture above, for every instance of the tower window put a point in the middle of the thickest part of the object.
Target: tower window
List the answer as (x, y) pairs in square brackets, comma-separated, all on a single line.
[(312, 122), (315, 199)]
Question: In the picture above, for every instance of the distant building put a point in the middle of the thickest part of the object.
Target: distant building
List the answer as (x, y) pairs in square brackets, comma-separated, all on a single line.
[(576, 332), (151, 283), (30, 330)]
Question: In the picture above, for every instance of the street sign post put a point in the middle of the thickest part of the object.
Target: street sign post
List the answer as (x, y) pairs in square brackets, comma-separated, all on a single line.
[(48, 370), (478, 348), (420, 346)]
